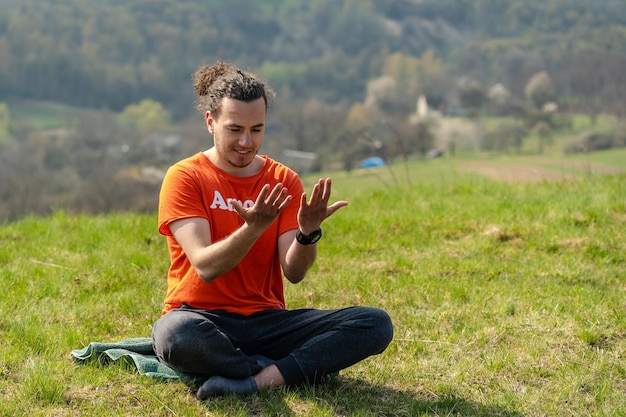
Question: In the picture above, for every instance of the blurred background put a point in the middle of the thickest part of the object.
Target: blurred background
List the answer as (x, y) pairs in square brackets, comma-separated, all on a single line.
[(96, 96)]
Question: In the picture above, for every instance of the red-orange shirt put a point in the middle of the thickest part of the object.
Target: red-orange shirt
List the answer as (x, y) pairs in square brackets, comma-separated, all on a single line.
[(195, 187)]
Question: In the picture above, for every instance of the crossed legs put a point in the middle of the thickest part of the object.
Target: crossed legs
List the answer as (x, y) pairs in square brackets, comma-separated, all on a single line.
[(242, 354)]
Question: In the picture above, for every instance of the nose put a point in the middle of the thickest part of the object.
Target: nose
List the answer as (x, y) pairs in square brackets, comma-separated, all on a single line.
[(245, 139)]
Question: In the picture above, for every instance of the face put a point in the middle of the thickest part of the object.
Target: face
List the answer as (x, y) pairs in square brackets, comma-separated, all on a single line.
[(238, 133)]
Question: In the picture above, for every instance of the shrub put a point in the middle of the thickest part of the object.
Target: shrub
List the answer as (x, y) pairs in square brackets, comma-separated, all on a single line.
[(597, 140)]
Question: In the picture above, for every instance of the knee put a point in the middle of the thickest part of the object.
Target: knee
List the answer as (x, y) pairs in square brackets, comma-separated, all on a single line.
[(377, 325), (168, 346), (172, 341), (171, 348), (382, 326)]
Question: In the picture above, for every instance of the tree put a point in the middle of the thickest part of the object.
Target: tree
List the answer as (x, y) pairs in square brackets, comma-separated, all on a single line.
[(147, 116), (420, 137), (509, 133), (472, 95), (361, 116), (312, 127), (540, 90), (23, 186), (381, 94), (405, 72), (5, 123), (546, 138)]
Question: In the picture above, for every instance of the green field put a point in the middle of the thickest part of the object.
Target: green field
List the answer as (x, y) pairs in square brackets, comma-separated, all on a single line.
[(44, 115), (507, 299)]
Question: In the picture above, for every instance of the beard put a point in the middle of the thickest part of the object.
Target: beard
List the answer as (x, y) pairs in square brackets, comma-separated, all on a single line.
[(237, 160)]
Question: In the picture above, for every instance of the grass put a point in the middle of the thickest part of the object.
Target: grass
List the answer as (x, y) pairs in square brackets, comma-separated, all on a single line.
[(507, 299), (45, 115)]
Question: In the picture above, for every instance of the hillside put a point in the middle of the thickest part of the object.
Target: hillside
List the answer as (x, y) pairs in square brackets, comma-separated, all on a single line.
[(110, 54), (96, 99)]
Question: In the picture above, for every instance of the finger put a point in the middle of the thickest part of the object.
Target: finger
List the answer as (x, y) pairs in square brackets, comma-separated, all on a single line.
[(334, 207), (315, 194), (285, 203), (322, 193), (276, 193), (263, 194), (327, 189), (237, 206), (280, 199)]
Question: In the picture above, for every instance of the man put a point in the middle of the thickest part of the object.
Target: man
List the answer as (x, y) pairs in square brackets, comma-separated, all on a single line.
[(235, 223)]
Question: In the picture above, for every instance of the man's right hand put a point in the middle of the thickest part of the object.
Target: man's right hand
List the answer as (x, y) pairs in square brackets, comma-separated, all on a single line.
[(266, 208)]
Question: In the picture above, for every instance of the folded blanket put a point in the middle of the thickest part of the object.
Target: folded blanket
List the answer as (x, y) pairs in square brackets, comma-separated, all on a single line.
[(136, 352)]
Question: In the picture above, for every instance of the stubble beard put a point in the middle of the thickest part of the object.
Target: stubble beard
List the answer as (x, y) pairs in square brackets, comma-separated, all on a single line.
[(232, 163)]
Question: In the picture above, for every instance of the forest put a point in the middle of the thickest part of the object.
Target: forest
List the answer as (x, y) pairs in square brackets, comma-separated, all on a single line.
[(349, 74)]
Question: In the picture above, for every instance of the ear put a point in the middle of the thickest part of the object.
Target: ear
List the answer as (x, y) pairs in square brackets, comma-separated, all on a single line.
[(209, 121)]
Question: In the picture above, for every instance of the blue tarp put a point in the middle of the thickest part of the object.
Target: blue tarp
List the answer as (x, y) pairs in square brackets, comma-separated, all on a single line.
[(373, 162)]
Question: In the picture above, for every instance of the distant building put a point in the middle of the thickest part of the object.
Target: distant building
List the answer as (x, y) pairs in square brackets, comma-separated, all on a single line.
[(422, 106), (422, 111), (300, 161), (164, 146)]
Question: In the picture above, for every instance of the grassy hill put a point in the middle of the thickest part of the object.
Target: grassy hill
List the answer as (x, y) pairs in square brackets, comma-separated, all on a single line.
[(45, 115), (507, 299)]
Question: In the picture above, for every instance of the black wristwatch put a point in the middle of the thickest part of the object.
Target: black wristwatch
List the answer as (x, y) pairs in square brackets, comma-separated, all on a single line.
[(308, 239)]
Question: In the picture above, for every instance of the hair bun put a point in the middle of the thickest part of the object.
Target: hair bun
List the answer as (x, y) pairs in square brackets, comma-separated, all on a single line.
[(207, 75)]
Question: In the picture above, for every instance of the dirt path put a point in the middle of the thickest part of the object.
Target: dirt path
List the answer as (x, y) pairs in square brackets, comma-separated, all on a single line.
[(528, 173), (580, 165)]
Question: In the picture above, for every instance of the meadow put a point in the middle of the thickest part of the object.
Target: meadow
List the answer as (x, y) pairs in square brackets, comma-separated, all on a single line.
[(508, 299)]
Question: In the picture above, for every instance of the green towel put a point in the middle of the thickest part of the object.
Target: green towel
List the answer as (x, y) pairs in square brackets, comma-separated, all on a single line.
[(136, 352)]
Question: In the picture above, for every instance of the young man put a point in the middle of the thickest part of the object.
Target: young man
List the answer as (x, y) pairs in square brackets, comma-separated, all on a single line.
[(235, 223)]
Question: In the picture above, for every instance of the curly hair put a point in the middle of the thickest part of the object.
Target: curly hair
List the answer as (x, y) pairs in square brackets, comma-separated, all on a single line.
[(214, 83)]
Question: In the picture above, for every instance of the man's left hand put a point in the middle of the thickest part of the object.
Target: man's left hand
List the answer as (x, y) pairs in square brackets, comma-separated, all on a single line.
[(316, 210)]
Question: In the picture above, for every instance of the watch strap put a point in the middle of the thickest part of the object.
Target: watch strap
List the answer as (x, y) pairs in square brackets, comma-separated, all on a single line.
[(308, 239)]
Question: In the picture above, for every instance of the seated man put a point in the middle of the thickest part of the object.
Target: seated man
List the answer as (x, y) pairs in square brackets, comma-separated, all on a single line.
[(235, 223)]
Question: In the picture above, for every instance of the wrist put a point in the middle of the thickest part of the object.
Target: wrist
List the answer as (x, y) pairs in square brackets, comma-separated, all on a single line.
[(310, 238)]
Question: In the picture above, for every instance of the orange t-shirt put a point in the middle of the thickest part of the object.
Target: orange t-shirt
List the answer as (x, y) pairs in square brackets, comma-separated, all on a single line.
[(195, 187)]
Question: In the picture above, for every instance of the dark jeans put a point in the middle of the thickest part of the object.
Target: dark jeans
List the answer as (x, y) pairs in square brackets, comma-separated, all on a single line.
[(305, 344)]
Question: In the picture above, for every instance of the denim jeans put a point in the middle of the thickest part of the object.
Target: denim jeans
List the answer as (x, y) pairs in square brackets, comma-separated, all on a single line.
[(305, 344)]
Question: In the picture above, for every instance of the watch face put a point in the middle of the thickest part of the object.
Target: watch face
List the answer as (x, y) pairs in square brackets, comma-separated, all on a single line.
[(310, 239), (315, 236)]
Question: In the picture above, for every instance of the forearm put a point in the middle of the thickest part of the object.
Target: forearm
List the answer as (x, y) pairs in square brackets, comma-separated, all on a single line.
[(299, 257), (220, 257), (298, 261)]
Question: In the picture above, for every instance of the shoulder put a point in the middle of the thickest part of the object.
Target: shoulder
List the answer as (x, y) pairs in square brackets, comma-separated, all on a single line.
[(192, 167), (189, 164), (189, 180), (279, 170)]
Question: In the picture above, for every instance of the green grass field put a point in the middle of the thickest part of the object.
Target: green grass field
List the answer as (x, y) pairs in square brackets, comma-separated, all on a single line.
[(44, 115), (508, 299)]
